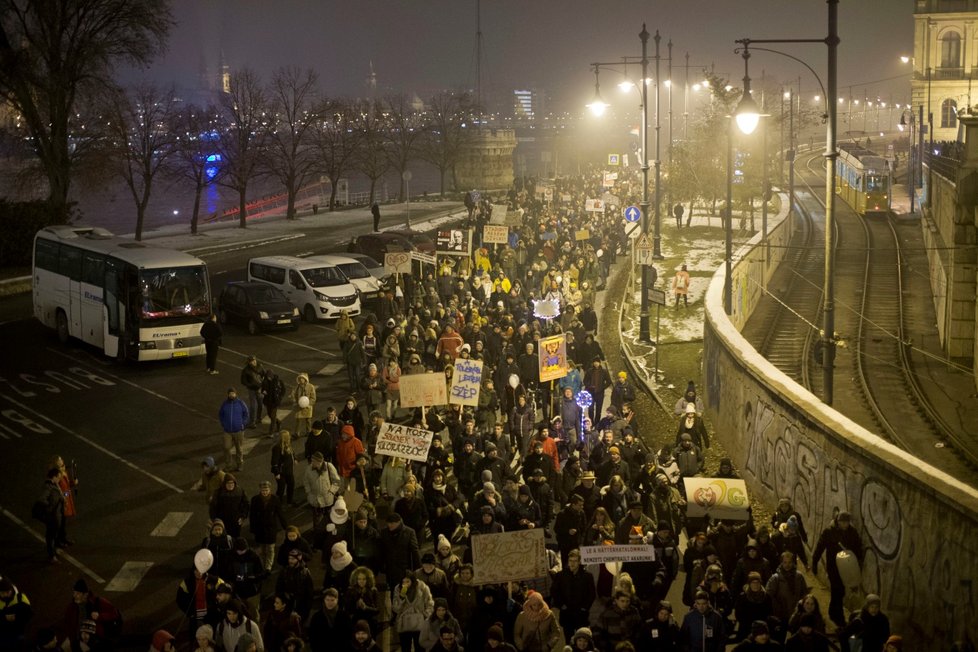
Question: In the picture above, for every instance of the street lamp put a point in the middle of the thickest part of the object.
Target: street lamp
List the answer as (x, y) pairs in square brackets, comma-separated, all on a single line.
[(597, 105), (831, 41), (914, 155)]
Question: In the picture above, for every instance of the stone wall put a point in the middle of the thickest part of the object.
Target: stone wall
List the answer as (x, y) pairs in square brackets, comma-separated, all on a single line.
[(918, 525), (486, 160)]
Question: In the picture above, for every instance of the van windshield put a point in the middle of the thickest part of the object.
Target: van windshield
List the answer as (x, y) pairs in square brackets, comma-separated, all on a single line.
[(322, 277), (354, 270)]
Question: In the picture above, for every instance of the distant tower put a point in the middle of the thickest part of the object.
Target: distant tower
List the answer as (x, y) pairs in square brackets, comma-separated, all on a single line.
[(225, 75), (372, 81)]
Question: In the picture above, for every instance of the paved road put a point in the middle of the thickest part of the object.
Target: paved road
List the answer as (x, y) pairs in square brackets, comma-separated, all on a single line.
[(137, 433)]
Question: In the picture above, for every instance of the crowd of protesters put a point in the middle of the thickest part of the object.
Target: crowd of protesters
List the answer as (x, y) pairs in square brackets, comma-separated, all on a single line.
[(341, 548)]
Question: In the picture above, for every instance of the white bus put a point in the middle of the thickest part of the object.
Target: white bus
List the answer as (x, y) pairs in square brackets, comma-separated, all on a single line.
[(131, 300)]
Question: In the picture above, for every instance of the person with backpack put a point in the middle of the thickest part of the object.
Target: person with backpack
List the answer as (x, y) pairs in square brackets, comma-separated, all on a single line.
[(235, 626), (273, 393)]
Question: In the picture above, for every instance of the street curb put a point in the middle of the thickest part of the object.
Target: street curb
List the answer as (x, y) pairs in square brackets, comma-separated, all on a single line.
[(11, 286)]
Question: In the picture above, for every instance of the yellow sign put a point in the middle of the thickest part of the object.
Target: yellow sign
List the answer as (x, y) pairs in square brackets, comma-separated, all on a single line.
[(553, 358)]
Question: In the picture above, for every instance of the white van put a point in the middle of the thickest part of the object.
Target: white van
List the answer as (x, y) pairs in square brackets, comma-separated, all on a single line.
[(319, 290), (355, 272)]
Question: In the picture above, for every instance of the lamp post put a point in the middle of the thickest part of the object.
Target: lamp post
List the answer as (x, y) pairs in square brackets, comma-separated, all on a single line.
[(912, 155), (831, 41)]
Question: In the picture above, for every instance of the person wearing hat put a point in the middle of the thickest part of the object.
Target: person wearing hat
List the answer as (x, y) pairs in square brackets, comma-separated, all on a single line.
[(296, 580), (633, 519), (363, 640), (590, 492), (347, 449), (234, 418), (91, 614), (372, 386), (703, 629), (689, 458), (661, 631), (441, 630), (758, 639), (807, 637), (247, 572), (622, 391), (536, 628), (237, 630), (870, 625), (230, 504), (596, 381), (211, 478), (293, 541), (15, 614), (570, 527), (197, 597), (751, 561), (204, 638), (492, 461), (303, 415), (266, 520), (751, 605), (893, 644), (838, 536), (352, 414), (613, 466), (339, 567), (693, 424)]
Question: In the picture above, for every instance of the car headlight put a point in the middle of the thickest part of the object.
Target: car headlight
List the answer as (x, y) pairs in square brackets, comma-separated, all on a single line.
[(295, 312), (321, 296), (262, 314)]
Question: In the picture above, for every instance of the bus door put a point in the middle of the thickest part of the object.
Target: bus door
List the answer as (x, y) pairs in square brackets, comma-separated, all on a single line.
[(71, 267), (92, 301), (113, 309)]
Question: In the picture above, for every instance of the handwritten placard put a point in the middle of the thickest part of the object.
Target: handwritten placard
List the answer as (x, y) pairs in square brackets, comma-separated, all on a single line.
[(509, 556), (721, 498), (397, 262), (621, 553), (395, 440), (466, 382), (423, 390), (495, 234)]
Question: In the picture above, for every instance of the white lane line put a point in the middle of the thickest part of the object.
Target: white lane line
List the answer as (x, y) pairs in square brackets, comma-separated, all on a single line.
[(248, 444), (62, 554), (245, 244), (264, 362), (209, 417), (9, 430), (324, 327), (331, 369), (171, 524), (305, 346), (93, 444), (129, 576)]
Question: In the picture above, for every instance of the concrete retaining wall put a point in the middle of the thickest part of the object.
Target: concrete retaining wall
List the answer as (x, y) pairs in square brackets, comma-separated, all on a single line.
[(919, 526)]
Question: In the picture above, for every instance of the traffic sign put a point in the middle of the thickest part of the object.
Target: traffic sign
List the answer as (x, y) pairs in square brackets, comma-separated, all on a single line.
[(632, 230), (643, 250), (633, 213)]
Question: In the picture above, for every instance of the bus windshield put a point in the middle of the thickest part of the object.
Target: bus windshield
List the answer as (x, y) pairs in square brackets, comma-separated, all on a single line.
[(321, 277), (174, 292)]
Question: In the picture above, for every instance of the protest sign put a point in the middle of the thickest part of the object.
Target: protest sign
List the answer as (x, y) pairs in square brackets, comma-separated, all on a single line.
[(721, 498), (594, 205), (509, 556), (495, 234), (396, 440), (466, 382), (582, 234), (397, 262), (423, 390), (453, 242), (619, 553), (553, 358)]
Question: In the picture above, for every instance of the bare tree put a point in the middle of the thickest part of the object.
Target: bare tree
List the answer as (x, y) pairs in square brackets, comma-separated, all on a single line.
[(198, 131), (58, 55), (141, 124), (371, 159), (448, 126), (336, 142), (243, 136), (291, 157), (403, 130)]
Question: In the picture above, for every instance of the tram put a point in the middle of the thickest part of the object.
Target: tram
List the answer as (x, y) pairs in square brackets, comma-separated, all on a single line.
[(863, 179)]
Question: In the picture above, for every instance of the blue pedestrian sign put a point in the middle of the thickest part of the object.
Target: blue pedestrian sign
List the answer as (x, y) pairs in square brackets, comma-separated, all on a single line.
[(633, 214)]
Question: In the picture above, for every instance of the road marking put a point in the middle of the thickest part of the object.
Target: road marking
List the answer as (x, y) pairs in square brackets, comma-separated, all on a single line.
[(330, 369), (171, 524), (62, 554), (324, 327), (129, 576), (248, 444), (246, 244), (93, 444), (209, 417), (10, 430), (305, 346)]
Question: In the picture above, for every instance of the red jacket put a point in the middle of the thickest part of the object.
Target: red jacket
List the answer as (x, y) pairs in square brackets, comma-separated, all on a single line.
[(346, 454)]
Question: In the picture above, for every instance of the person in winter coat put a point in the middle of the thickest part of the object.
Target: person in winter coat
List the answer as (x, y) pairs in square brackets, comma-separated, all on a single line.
[(661, 632), (399, 549), (352, 415), (521, 424), (197, 597), (570, 529), (464, 598), (296, 580), (582, 640), (273, 393), (692, 423), (235, 626), (303, 415), (870, 625), (283, 468), (293, 541), (53, 502), (573, 593), (750, 562), (752, 604), (230, 504), (211, 332), (490, 613), (412, 605), (440, 617), (392, 386), (347, 449), (807, 606), (786, 587), (15, 614), (339, 569), (536, 628), (622, 391), (234, 418), (838, 536), (362, 600), (363, 640), (411, 508), (689, 398), (247, 573), (689, 458), (807, 638), (354, 359), (620, 621), (322, 484), (282, 623), (266, 520), (759, 639), (330, 625), (252, 377), (703, 629)]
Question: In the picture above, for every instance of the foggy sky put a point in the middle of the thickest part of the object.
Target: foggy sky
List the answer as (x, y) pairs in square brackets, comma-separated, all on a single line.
[(423, 46)]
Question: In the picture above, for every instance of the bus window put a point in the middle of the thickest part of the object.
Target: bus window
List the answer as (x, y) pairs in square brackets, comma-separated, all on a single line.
[(92, 269), (71, 263), (174, 292), (46, 255)]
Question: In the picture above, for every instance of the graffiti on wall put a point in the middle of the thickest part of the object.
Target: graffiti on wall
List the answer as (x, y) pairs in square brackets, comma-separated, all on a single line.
[(921, 557)]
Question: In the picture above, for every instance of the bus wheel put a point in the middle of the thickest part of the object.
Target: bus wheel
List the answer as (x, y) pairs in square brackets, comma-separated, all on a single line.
[(61, 325), (253, 327), (310, 314)]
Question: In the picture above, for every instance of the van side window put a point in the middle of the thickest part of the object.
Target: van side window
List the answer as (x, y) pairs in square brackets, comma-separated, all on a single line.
[(258, 271), (295, 280), (275, 275)]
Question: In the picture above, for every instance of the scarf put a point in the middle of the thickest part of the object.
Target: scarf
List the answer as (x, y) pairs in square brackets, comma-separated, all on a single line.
[(535, 609)]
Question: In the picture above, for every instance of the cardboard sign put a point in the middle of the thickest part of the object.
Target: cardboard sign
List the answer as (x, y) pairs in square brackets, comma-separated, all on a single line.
[(423, 390), (495, 234), (513, 218), (553, 358), (499, 212), (466, 382), (395, 440), (509, 556), (592, 205), (453, 242), (619, 553), (721, 498), (583, 234), (397, 263), (421, 257)]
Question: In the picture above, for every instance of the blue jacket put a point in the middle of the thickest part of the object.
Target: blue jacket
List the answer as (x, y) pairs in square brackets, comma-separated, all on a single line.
[(703, 632), (233, 415)]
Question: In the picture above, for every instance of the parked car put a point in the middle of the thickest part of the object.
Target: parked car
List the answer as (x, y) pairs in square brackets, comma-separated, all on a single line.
[(376, 269), (376, 245), (421, 241), (318, 289), (257, 306), (355, 272)]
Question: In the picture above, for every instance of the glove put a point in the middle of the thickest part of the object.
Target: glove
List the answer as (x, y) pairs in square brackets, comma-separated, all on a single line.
[(331, 528)]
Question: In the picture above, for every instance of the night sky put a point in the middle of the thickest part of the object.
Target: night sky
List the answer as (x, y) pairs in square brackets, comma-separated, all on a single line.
[(424, 46)]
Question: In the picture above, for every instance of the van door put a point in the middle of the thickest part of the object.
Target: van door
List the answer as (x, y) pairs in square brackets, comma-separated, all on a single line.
[(296, 289)]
